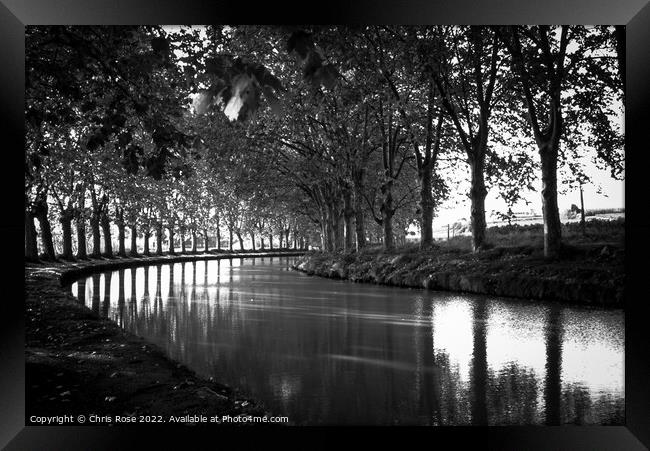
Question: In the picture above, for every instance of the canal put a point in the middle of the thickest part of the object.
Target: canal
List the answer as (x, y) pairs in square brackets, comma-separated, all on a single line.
[(322, 351)]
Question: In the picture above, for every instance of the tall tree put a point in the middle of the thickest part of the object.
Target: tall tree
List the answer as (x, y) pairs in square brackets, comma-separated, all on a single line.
[(555, 80), (466, 71)]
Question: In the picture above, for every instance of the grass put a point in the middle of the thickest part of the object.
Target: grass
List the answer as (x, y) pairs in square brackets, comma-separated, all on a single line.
[(532, 235), (603, 211), (527, 239), (589, 269)]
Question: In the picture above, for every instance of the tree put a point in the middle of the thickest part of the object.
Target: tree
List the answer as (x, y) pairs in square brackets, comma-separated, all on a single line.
[(424, 137), (553, 78), (293, 135), (469, 96), (103, 83)]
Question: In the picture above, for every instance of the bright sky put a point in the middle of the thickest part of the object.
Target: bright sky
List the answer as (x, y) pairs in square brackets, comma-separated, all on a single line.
[(612, 196)]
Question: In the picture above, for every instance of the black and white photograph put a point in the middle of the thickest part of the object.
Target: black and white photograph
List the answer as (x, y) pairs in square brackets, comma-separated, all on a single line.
[(284, 226)]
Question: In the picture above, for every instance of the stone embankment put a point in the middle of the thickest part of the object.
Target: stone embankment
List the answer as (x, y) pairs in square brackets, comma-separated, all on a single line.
[(596, 278)]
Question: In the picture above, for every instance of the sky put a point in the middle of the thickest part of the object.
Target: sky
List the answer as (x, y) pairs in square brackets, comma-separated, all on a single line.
[(612, 195)]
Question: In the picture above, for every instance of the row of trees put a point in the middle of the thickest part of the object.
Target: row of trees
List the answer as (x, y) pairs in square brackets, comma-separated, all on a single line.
[(333, 134), (111, 143)]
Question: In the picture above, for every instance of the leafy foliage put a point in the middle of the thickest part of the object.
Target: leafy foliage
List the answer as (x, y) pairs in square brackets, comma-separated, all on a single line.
[(324, 131)]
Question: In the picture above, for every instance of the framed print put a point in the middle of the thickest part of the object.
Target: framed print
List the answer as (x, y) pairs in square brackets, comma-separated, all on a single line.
[(186, 184)]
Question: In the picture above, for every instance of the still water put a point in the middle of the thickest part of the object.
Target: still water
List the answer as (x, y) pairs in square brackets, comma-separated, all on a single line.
[(333, 352)]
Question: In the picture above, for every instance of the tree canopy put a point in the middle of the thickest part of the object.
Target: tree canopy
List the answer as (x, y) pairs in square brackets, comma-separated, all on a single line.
[(328, 136)]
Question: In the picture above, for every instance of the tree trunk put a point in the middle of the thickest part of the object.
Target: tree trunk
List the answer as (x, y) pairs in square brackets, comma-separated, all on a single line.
[(159, 239), (271, 241), (218, 239), (348, 215), (81, 235), (230, 238), (106, 230), (253, 240), (389, 239), (339, 235), (359, 222), (280, 239), (171, 239), (477, 195), (426, 208), (205, 240), (31, 243), (66, 227), (261, 241), (387, 213), (97, 240), (182, 230), (121, 232), (194, 241), (335, 227), (328, 231), (146, 235), (134, 240), (582, 213), (323, 237), (552, 225), (286, 238), (241, 240), (121, 239), (46, 230)]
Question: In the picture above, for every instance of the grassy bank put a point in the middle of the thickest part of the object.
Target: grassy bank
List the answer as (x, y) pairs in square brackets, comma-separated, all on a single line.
[(77, 363), (589, 271)]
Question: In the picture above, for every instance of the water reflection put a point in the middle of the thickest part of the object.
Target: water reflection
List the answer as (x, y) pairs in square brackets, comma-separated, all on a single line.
[(332, 352)]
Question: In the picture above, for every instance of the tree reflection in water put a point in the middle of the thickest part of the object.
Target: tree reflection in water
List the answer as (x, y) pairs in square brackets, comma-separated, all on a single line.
[(332, 352), (553, 385)]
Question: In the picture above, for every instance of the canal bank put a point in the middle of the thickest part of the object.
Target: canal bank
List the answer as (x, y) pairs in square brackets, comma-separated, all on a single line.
[(586, 275), (77, 363)]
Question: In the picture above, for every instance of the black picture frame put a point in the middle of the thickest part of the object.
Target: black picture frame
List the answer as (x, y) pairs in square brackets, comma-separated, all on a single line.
[(635, 14)]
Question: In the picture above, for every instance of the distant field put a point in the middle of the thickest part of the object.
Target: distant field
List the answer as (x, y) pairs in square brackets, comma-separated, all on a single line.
[(441, 233)]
